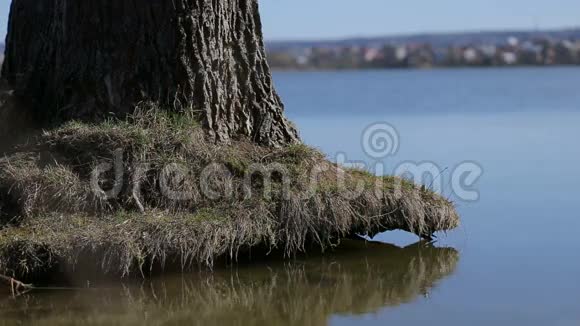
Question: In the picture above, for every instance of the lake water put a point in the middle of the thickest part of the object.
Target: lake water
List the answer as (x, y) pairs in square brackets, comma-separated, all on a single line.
[(514, 261)]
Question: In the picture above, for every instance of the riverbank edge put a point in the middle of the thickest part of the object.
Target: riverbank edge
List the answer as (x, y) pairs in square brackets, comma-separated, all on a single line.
[(51, 217)]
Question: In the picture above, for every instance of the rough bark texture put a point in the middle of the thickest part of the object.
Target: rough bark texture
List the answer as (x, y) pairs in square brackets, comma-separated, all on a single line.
[(77, 59)]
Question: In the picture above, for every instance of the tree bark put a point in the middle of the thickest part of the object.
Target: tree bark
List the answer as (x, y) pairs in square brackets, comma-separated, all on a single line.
[(86, 60)]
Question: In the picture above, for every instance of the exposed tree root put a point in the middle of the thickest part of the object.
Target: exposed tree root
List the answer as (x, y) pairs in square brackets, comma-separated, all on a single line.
[(16, 287)]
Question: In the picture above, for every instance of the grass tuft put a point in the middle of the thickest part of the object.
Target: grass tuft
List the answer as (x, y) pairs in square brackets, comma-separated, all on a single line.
[(152, 163)]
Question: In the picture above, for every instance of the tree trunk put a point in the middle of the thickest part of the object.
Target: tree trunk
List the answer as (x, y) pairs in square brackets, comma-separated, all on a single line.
[(86, 60)]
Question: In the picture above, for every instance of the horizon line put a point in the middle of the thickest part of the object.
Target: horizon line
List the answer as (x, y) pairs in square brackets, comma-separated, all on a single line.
[(412, 34), (426, 33)]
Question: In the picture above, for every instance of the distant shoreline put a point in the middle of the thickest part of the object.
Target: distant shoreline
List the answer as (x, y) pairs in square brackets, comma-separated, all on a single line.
[(473, 49), (561, 66), (454, 36)]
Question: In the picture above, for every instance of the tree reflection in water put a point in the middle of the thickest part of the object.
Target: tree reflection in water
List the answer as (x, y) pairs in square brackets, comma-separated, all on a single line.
[(306, 291)]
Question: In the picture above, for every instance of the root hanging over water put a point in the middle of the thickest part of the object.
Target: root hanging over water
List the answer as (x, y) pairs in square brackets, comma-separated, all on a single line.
[(16, 287)]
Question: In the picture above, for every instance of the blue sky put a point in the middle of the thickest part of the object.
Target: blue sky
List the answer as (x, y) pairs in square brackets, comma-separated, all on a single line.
[(315, 19)]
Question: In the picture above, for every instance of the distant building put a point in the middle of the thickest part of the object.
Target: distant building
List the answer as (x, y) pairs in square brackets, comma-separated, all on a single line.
[(401, 53), (371, 54), (302, 60), (509, 58), (513, 41), (470, 55), (488, 50)]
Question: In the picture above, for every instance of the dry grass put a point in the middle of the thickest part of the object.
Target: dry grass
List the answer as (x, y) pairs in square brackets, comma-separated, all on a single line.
[(50, 214)]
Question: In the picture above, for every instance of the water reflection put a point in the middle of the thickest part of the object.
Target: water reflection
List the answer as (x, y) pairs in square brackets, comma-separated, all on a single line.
[(307, 291)]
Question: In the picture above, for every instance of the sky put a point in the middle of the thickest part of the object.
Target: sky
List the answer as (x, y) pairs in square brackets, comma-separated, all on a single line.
[(331, 19)]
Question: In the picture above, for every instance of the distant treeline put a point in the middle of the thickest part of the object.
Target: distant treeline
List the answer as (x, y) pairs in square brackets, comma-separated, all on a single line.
[(505, 48), (420, 51)]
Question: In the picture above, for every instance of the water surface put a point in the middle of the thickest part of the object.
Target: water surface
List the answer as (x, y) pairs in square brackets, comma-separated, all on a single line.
[(357, 279), (514, 261), (519, 247)]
